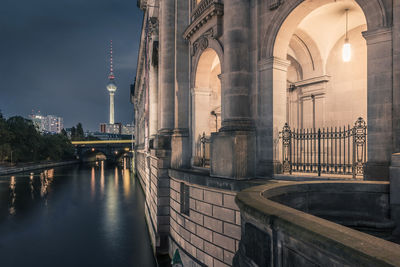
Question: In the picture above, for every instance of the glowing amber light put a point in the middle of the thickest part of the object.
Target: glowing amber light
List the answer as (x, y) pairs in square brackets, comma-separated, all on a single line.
[(346, 53)]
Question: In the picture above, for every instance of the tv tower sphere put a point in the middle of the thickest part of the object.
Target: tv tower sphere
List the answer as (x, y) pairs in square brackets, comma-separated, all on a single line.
[(111, 87)]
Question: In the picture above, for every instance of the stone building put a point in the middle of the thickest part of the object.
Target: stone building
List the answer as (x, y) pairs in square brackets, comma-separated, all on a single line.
[(217, 81)]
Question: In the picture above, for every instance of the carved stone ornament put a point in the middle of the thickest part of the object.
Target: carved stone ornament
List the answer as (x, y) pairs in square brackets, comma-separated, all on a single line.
[(153, 26), (274, 4), (202, 43)]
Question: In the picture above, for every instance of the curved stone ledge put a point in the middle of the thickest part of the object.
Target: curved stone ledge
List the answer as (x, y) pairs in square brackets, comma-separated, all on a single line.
[(203, 178), (274, 234)]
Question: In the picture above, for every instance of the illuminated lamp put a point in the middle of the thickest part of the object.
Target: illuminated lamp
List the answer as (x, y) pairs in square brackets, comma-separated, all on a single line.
[(346, 51)]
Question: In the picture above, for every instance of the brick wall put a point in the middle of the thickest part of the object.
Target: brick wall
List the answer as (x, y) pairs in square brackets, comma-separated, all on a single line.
[(210, 234)]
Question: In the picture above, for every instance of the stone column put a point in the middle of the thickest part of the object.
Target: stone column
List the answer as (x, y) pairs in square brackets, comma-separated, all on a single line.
[(236, 70), (380, 103), (233, 148), (394, 192), (395, 163), (153, 79), (167, 67), (396, 74), (161, 154), (272, 91), (180, 157)]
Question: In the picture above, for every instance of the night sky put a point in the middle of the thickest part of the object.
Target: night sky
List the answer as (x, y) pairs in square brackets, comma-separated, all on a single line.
[(55, 58)]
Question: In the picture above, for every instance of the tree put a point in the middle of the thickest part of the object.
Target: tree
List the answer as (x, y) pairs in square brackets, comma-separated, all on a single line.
[(64, 132), (24, 139), (79, 131), (73, 133), (20, 137), (5, 135)]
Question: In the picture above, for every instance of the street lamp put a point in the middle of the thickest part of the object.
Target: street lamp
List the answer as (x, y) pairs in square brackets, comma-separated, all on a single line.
[(216, 120)]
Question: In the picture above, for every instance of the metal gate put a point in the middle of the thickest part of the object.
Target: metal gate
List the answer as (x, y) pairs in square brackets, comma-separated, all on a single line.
[(202, 149), (328, 150)]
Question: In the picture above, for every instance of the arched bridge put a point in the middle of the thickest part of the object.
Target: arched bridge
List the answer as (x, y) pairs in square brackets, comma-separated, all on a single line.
[(112, 149)]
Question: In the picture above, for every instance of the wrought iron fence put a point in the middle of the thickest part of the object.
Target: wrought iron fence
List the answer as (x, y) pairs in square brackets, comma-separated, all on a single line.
[(203, 151), (328, 150)]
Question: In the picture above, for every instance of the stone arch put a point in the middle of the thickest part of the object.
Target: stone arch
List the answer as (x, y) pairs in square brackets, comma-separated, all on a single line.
[(272, 71), (205, 95), (308, 53), (89, 151), (197, 51), (311, 41), (373, 10)]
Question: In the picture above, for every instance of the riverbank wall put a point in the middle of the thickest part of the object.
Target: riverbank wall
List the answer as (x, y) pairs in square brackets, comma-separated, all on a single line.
[(33, 167)]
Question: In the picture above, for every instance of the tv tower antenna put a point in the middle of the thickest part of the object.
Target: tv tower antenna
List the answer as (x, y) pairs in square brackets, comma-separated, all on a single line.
[(111, 76)]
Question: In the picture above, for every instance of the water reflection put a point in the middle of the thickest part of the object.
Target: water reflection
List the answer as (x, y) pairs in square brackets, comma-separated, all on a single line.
[(93, 183), (99, 231), (13, 196), (127, 182), (46, 178), (49, 173), (102, 178), (116, 178), (112, 217), (116, 173), (31, 185)]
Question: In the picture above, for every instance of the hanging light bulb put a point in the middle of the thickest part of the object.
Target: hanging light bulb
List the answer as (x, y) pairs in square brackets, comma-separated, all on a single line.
[(346, 52)]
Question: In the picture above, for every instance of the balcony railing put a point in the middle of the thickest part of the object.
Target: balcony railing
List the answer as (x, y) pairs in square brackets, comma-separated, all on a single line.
[(202, 13), (327, 150), (200, 7)]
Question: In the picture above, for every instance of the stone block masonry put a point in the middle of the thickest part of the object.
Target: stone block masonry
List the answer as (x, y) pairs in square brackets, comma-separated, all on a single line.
[(154, 180), (209, 235)]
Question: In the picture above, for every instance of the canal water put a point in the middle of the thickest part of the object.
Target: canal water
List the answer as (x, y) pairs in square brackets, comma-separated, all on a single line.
[(73, 216)]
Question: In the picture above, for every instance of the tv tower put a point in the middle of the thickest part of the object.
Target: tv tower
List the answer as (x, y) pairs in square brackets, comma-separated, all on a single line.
[(111, 87)]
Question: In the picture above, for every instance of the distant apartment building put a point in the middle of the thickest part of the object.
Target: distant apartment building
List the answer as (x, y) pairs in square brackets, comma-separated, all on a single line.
[(48, 124), (54, 124), (117, 128), (114, 128), (128, 129), (38, 121)]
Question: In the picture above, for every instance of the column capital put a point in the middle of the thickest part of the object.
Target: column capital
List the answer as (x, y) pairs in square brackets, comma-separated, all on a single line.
[(378, 35), (273, 63), (201, 91), (237, 124), (181, 132)]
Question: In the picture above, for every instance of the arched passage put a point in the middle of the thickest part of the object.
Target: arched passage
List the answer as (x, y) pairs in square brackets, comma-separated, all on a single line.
[(206, 99), (330, 92), (309, 35)]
